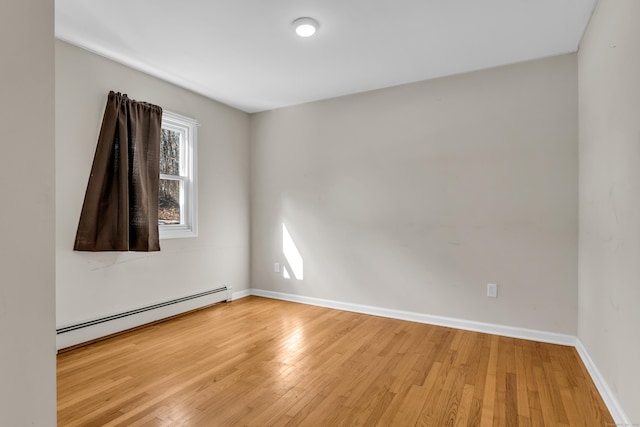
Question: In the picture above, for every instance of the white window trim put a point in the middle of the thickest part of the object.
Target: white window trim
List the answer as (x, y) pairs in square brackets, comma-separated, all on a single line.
[(189, 226)]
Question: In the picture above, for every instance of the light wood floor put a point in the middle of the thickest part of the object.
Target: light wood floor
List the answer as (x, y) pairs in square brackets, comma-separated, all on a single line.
[(264, 362)]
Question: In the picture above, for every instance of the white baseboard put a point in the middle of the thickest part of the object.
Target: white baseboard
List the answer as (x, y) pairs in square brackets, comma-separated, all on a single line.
[(609, 398), (82, 332), (450, 322), (240, 294)]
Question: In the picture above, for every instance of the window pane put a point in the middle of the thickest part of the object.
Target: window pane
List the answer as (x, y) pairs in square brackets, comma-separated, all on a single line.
[(169, 202), (170, 152)]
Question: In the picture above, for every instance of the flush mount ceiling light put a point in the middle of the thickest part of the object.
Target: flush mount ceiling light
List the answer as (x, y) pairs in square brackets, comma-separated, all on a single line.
[(305, 27)]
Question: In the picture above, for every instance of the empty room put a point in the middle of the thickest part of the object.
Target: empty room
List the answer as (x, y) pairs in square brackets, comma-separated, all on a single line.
[(320, 213)]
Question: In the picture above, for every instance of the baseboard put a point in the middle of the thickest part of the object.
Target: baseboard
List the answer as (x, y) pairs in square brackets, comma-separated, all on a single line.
[(240, 294), (450, 322), (91, 330), (609, 398)]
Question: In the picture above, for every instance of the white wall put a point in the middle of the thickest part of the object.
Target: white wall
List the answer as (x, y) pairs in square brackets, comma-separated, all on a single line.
[(91, 285), (417, 196), (609, 267), (27, 317)]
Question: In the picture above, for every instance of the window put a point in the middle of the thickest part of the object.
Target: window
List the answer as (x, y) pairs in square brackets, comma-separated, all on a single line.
[(177, 210)]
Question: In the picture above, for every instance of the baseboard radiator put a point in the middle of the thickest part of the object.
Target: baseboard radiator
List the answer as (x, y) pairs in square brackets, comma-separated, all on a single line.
[(91, 330)]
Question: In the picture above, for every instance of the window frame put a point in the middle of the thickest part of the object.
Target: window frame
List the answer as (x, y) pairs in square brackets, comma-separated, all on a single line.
[(188, 226)]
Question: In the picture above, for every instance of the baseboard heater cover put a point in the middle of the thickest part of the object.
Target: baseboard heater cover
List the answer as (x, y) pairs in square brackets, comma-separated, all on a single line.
[(78, 333)]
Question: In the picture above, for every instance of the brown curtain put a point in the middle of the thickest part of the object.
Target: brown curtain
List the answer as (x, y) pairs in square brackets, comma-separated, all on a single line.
[(120, 210)]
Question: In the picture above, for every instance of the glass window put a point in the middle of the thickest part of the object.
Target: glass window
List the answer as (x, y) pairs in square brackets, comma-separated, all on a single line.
[(177, 215)]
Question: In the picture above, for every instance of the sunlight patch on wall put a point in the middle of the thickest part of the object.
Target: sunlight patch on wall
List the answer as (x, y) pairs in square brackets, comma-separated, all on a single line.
[(292, 255)]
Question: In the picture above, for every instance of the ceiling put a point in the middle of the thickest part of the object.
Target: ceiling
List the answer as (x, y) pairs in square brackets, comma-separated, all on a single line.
[(245, 53)]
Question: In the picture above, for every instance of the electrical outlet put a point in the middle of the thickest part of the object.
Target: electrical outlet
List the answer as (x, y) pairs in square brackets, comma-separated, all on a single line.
[(492, 290), (276, 267)]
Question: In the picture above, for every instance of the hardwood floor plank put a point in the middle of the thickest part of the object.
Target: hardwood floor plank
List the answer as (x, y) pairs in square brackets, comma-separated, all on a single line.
[(521, 382), (546, 403), (462, 418), (416, 398), (488, 401), (261, 362)]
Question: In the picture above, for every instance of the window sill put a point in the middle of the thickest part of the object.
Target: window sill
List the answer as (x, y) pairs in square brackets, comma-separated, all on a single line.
[(177, 232)]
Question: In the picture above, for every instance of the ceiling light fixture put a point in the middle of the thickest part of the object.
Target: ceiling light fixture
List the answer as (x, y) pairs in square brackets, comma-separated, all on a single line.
[(305, 27)]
